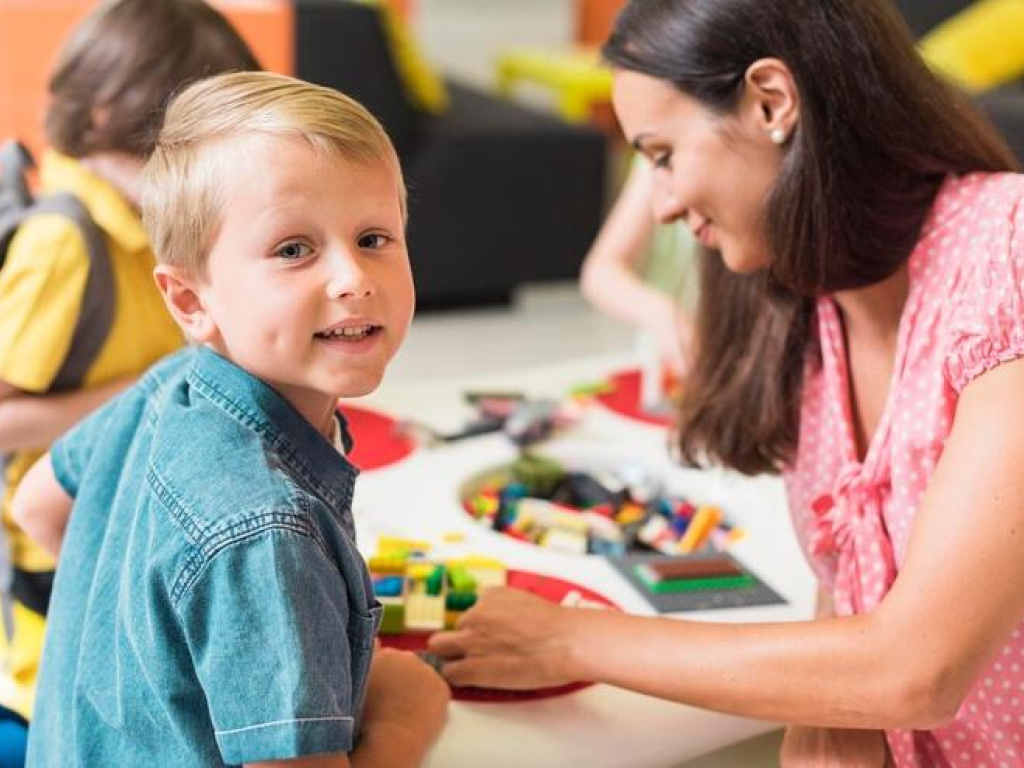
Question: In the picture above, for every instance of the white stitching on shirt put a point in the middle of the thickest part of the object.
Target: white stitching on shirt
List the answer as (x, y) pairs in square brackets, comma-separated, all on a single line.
[(279, 722)]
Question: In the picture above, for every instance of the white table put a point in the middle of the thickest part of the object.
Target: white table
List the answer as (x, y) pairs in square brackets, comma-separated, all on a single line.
[(601, 725)]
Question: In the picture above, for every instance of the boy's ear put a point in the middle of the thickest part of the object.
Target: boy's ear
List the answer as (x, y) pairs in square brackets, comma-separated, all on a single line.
[(184, 300)]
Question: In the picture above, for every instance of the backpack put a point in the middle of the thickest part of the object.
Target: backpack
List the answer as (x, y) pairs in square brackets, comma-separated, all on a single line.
[(17, 203)]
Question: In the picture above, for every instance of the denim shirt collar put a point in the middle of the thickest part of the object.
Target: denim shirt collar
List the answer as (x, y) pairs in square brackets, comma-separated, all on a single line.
[(256, 405)]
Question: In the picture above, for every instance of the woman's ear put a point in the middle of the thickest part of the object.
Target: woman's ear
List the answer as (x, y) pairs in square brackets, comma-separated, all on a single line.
[(771, 103), (181, 292)]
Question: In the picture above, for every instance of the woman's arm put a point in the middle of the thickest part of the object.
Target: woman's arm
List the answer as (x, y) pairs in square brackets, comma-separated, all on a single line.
[(34, 421), (610, 277), (909, 664), (42, 507)]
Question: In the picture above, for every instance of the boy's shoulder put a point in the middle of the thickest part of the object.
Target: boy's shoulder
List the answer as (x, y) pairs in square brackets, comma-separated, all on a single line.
[(222, 469)]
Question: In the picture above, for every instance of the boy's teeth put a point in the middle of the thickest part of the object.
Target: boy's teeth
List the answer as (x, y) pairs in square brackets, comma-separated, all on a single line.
[(352, 332)]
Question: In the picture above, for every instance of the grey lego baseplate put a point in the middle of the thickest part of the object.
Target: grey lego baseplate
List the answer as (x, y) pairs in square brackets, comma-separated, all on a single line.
[(751, 595)]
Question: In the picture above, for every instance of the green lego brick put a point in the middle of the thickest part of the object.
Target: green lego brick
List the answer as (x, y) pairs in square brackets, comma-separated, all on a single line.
[(459, 601), (435, 581), (460, 579), (693, 585), (393, 622)]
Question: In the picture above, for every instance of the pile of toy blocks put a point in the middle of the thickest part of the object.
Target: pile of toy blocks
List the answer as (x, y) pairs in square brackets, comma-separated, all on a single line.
[(424, 595), (608, 513)]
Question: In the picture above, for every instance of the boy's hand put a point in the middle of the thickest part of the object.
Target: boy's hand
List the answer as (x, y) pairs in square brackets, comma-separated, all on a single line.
[(405, 696)]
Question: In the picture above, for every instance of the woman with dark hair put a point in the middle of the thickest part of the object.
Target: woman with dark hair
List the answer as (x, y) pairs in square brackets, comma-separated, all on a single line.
[(860, 331)]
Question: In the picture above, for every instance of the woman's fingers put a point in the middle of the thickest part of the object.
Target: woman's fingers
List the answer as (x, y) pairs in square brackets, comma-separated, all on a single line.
[(449, 645), (491, 672)]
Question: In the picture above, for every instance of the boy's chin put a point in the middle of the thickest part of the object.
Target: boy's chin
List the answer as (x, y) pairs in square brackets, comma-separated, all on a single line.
[(357, 386)]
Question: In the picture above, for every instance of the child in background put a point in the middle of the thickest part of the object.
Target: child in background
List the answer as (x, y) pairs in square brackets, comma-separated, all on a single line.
[(645, 274), (211, 606), (108, 91)]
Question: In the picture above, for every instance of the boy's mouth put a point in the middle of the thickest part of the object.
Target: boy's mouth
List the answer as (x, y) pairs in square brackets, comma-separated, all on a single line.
[(349, 332)]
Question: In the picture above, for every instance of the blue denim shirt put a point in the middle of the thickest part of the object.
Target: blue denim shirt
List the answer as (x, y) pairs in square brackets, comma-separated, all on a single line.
[(210, 606)]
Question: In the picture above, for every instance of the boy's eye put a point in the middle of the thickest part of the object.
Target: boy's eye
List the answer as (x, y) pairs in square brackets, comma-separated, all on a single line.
[(662, 160), (292, 251), (374, 241)]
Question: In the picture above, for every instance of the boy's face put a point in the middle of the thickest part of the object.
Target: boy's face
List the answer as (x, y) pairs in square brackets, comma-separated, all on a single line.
[(308, 283)]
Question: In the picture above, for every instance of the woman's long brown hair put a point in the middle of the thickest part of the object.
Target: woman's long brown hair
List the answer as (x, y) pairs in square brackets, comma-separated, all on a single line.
[(878, 134)]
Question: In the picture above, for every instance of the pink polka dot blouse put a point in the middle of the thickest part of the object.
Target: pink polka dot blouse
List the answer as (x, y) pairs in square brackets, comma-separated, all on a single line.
[(964, 315)]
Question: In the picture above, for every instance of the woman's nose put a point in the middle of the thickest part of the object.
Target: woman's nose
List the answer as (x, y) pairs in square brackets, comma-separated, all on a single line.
[(667, 207)]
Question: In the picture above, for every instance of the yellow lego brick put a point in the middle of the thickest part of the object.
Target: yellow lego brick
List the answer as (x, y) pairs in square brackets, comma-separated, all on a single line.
[(704, 521), (393, 545), (424, 612)]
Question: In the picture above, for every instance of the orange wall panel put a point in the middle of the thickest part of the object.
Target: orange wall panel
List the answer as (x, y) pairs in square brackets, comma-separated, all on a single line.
[(31, 33), (595, 19)]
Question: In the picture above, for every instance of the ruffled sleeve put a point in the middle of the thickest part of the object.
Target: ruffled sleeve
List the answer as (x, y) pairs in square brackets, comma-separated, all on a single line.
[(987, 321)]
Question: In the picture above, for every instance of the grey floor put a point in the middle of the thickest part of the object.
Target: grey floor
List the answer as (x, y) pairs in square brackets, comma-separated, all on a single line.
[(546, 324)]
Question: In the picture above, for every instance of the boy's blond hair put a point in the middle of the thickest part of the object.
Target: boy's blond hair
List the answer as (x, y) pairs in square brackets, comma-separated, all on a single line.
[(181, 195)]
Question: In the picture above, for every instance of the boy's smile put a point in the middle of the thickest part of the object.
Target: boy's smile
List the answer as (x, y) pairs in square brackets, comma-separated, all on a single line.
[(308, 283)]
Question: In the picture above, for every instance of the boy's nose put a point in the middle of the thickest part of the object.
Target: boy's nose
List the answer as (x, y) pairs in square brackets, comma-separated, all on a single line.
[(349, 279)]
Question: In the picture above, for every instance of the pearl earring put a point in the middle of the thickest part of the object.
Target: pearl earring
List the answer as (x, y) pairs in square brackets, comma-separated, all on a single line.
[(778, 135)]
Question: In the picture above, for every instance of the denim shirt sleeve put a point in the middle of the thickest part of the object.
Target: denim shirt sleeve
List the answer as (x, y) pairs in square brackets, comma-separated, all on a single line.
[(69, 456), (267, 622)]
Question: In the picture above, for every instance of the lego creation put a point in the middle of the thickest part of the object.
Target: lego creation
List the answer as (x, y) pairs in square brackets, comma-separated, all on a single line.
[(422, 595), (699, 582)]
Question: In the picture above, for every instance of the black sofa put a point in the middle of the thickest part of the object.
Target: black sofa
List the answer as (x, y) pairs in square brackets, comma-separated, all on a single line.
[(499, 194)]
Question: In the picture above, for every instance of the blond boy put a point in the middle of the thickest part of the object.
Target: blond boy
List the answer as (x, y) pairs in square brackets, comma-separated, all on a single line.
[(210, 606)]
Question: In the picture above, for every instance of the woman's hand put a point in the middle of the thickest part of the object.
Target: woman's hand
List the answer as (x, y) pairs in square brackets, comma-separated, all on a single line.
[(509, 639)]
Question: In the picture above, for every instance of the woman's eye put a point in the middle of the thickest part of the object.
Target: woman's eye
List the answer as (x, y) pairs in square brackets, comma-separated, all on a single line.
[(292, 251), (664, 160), (374, 241)]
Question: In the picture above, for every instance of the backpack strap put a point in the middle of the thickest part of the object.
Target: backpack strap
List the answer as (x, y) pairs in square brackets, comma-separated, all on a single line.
[(98, 302), (15, 196), (15, 160)]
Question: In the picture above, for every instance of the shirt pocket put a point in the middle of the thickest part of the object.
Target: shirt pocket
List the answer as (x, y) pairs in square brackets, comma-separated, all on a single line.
[(362, 631)]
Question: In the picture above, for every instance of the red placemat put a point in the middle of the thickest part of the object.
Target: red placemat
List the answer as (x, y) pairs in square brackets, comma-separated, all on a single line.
[(376, 441), (548, 587), (624, 398)]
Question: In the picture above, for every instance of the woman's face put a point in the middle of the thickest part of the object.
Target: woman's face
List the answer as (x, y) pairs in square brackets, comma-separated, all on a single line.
[(711, 172)]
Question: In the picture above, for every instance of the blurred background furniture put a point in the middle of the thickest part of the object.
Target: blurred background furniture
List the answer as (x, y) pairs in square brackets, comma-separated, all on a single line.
[(575, 76), (979, 45), (499, 193)]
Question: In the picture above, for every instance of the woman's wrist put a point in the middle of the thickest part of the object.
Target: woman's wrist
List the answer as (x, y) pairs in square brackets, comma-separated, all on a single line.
[(575, 659)]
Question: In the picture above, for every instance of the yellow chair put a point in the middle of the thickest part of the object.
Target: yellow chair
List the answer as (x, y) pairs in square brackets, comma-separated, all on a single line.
[(981, 47), (576, 76)]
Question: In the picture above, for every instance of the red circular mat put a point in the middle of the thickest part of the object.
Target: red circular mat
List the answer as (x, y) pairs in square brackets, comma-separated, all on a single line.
[(624, 398), (548, 587), (376, 441)]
